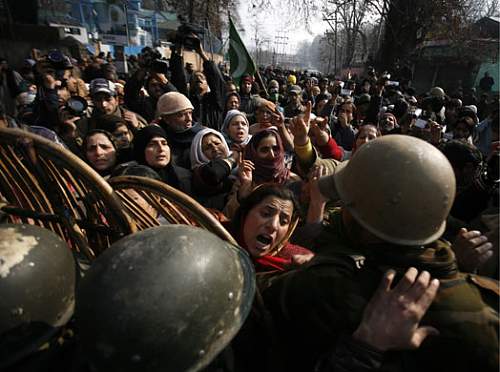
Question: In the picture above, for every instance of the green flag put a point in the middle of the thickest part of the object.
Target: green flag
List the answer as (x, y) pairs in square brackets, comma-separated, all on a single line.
[(239, 58)]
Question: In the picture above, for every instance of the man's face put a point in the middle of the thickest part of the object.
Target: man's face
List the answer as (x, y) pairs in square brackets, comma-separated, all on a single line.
[(179, 121), (294, 97), (104, 103), (200, 83), (155, 88), (246, 87)]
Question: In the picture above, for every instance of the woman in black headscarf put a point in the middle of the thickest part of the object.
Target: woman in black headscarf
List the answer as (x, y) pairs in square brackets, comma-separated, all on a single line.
[(151, 149)]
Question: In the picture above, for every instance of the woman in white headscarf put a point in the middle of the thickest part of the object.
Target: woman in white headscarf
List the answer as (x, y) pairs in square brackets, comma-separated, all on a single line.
[(212, 163), (235, 128)]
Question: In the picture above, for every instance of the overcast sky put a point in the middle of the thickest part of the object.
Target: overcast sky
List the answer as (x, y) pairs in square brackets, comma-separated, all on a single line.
[(272, 22)]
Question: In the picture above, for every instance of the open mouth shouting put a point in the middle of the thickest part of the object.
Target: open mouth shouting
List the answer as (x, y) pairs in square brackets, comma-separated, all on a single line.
[(263, 242)]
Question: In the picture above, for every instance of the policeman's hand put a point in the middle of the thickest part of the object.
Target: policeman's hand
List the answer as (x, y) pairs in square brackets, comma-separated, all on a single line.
[(472, 249), (391, 318), (299, 127)]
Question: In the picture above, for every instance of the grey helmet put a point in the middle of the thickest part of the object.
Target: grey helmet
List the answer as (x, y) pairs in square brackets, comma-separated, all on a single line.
[(37, 288), (169, 298)]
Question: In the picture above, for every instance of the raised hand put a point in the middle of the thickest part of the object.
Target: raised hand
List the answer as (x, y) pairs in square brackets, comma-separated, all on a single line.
[(299, 127), (319, 131), (131, 118), (472, 249), (391, 318)]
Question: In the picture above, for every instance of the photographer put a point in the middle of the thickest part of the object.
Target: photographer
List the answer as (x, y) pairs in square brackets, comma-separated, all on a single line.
[(207, 89), (51, 74), (151, 75)]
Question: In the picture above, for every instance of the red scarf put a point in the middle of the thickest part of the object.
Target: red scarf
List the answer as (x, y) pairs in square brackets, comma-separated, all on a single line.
[(267, 170), (279, 262)]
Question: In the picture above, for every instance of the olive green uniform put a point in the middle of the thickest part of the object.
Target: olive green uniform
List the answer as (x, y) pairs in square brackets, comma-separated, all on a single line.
[(314, 306)]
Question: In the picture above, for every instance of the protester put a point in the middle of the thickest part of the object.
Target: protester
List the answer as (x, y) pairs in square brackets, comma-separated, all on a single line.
[(207, 88), (104, 98), (271, 166), (262, 225), (261, 162), (235, 128), (151, 148), (212, 164), (175, 116), (100, 151)]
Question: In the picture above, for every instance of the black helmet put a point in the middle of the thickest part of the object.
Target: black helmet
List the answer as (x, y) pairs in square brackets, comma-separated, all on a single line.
[(37, 285), (169, 298)]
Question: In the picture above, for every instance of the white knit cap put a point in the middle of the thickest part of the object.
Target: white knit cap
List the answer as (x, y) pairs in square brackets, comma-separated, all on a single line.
[(172, 103)]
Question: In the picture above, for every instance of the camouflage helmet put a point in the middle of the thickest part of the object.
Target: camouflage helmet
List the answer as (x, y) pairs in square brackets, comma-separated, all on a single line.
[(398, 187), (169, 298), (37, 285)]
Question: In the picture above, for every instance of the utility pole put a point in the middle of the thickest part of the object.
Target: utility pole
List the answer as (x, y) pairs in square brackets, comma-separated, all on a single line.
[(282, 41)]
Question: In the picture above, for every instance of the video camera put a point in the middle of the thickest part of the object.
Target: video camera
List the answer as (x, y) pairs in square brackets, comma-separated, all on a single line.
[(153, 60), (184, 35)]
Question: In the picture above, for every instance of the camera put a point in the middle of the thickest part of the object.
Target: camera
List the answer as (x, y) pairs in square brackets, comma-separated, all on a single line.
[(76, 105), (153, 60), (489, 174), (56, 63), (185, 36)]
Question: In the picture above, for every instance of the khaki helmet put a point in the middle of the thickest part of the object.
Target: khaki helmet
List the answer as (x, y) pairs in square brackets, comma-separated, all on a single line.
[(172, 103), (37, 291), (398, 187)]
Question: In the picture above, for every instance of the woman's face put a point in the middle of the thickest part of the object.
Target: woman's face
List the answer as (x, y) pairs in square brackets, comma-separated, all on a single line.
[(213, 148), (263, 115), (266, 225), (366, 134), (157, 153), (238, 129), (123, 136), (233, 103), (268, 148), (100, 152)]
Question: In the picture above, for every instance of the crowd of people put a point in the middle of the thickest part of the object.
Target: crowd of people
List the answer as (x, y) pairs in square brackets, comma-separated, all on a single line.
[(325, 182)]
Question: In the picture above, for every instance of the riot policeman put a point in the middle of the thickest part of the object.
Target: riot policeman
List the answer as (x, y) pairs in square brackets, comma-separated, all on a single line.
[(37, 284), (397, 192), (169, 298)]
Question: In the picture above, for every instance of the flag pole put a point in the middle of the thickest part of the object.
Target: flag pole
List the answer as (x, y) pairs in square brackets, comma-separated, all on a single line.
[(260, 81)]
